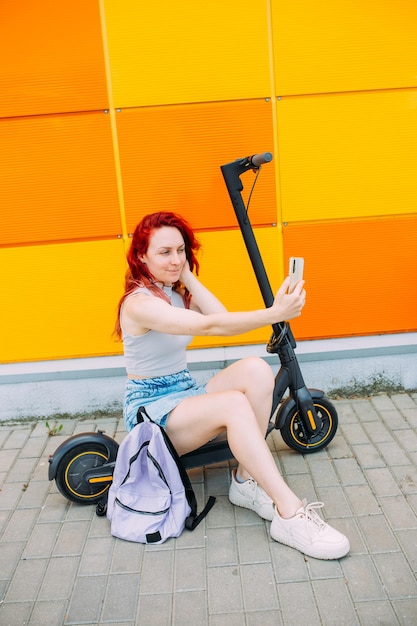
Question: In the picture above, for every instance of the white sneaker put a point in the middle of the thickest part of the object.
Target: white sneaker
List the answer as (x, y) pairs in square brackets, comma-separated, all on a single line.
[(309, 534), (251, 496)]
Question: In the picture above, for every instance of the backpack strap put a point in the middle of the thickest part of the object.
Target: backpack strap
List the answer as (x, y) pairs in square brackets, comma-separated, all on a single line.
[(193, 520), (101, 506)]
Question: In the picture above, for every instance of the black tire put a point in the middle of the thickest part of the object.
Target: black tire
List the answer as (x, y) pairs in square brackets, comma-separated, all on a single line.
[(70, 473), (295, 437)]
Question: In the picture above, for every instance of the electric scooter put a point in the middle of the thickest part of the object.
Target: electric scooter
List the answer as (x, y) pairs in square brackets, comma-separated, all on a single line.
[(82, 466)]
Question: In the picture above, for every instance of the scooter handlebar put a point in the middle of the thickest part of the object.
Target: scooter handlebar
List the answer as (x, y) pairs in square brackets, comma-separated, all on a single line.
[(259, 159)]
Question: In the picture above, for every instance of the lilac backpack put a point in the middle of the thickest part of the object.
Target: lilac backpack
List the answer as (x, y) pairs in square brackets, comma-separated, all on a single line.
[(151, 497)]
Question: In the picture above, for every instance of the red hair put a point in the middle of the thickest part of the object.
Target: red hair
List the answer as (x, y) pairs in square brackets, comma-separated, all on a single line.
[(138, 275)]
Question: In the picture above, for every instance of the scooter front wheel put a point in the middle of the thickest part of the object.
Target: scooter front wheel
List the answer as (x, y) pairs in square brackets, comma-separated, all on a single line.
[(70, 475), (295, 436)]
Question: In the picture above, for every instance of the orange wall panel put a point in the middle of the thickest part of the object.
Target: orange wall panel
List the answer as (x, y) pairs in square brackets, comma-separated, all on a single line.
[(360, 276), (51, 57), (171, 157), (349, 45), (57, 176)]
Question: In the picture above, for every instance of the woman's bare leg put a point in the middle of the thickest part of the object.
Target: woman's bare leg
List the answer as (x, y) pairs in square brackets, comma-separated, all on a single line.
[(253, 377), (193, 422)]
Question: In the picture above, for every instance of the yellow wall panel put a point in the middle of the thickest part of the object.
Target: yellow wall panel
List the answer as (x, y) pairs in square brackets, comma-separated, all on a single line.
[(360, 276), (51, 57), (348, 155), (226, 270), (171, 157), (349, 45), (171, 52), (59, 300), (57, 176), (68, 304)]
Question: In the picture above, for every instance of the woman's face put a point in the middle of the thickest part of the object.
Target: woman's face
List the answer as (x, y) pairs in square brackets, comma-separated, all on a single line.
[(165, 256)]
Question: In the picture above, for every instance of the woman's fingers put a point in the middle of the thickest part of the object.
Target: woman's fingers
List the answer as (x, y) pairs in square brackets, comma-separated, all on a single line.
[(284, 286), (299, 288)]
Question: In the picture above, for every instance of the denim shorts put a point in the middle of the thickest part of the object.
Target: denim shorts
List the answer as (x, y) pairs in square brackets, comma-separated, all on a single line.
[(159, 396)]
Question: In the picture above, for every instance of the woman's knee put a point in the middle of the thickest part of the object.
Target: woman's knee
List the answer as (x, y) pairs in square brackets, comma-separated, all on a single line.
[(236, 408), (259, 373), (233, 403)]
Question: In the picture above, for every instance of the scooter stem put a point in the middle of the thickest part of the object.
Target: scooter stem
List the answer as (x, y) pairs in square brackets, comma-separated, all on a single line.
[(231, 174)]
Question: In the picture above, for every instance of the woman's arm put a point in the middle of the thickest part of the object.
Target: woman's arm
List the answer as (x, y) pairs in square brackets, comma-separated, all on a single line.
[(202, 300), (142, 313)]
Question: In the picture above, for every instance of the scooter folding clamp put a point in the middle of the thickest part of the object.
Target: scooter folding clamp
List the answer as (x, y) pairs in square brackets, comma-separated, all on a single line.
[(275, 340)]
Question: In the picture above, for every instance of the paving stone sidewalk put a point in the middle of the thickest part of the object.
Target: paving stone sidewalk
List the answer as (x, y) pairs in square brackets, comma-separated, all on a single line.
[(60, 566)]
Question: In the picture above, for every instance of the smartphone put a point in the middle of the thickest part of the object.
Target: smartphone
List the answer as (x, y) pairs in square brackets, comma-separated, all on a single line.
[(296, 271)]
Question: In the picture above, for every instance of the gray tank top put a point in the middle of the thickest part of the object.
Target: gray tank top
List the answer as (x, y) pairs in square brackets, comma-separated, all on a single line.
[(155, 353)]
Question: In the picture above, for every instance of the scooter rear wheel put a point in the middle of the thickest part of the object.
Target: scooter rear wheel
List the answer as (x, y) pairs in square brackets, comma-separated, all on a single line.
[(295, 437), (70, 476)]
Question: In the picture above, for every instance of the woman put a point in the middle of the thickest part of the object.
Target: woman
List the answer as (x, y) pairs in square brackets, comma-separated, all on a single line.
[(163, 307)]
